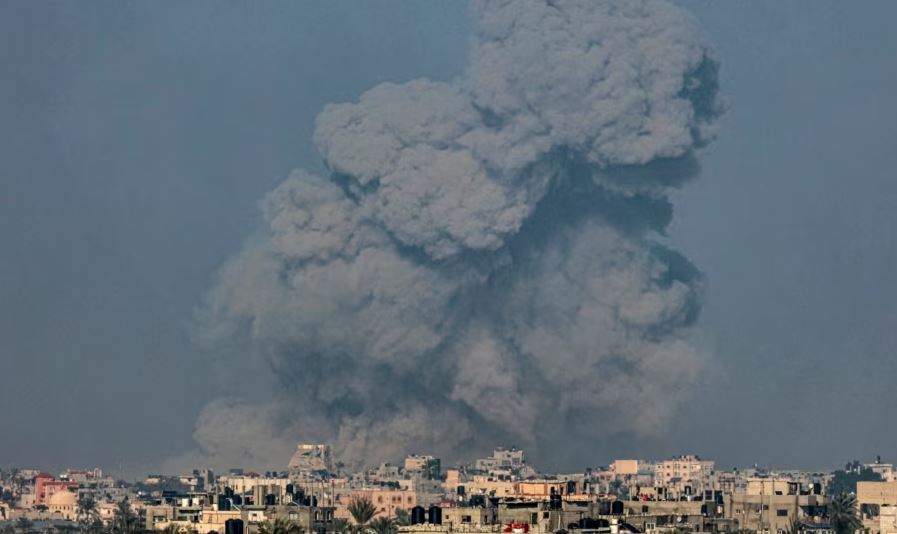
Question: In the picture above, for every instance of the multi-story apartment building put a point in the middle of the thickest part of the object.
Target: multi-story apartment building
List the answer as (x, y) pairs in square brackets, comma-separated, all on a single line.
[(768, 506), (503, 460), (877, 502), (686, 469)]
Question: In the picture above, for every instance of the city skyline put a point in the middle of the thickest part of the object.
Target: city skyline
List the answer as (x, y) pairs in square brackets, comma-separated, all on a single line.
[(150, 145)]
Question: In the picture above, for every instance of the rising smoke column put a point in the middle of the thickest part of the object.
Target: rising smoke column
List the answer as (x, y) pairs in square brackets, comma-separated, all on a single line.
[(481, 265)]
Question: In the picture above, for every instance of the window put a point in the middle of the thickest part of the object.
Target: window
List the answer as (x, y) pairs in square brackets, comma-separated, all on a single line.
[(781, 513)]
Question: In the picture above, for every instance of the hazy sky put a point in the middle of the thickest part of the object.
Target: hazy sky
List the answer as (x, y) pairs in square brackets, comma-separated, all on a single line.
[(137, 138)]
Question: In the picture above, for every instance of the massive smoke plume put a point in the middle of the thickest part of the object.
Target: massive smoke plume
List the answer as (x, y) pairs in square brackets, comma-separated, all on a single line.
[(482, 265)]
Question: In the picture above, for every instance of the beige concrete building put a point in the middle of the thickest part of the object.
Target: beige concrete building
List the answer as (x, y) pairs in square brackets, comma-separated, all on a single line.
[(877, 502), (63, 504), (683, 468), (485, 485), (770, 486), (244, 483), (474, 516), (503, 461), (208, 521), (625, 467), (387, 502), (450, 529), (541, 489), (768, 513), (309, 460)]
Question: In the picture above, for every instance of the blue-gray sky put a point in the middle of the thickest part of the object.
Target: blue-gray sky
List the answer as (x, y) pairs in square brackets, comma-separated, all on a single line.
[(137, 138)]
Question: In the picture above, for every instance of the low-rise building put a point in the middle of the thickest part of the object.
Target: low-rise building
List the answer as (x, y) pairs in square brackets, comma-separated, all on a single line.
[(877, 502), (771, 506)]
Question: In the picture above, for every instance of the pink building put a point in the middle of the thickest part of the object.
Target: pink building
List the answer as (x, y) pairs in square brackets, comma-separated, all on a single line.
[(45, 486), (386, 501)]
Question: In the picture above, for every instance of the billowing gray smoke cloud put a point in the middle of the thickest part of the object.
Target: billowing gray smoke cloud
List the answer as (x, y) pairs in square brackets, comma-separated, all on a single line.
[(481, 265)]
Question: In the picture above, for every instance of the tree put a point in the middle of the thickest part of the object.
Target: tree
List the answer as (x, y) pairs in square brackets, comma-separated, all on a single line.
[(341, 526), (280, 525), (362, 510), (845, 480), (125, 521), (383, 525), (842, 514), (403, 518), (88, 515)]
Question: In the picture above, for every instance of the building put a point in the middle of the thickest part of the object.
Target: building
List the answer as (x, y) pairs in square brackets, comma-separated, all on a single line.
[(490, 486), (689, 470), (63, 504), (244, 484), (309, 518), (503, 460), (884, 470), (423, 465), (387, 501), (473, 516), (770, 505), (450, 529), (310, 460), (625, 467), (45, 486), (877, 502)]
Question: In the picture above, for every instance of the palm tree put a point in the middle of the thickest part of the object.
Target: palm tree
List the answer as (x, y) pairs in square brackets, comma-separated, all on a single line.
[(341, 526), (842, 514), (125, 521), (362, 510), (403, 518), (383, 525), (281, 525), (87, 514)]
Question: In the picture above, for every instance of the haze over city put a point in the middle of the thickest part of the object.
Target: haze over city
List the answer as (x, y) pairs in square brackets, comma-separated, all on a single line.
[(613, 231)]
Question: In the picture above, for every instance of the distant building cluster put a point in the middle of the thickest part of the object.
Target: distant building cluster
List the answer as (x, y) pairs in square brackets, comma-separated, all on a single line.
[(499, 493)]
